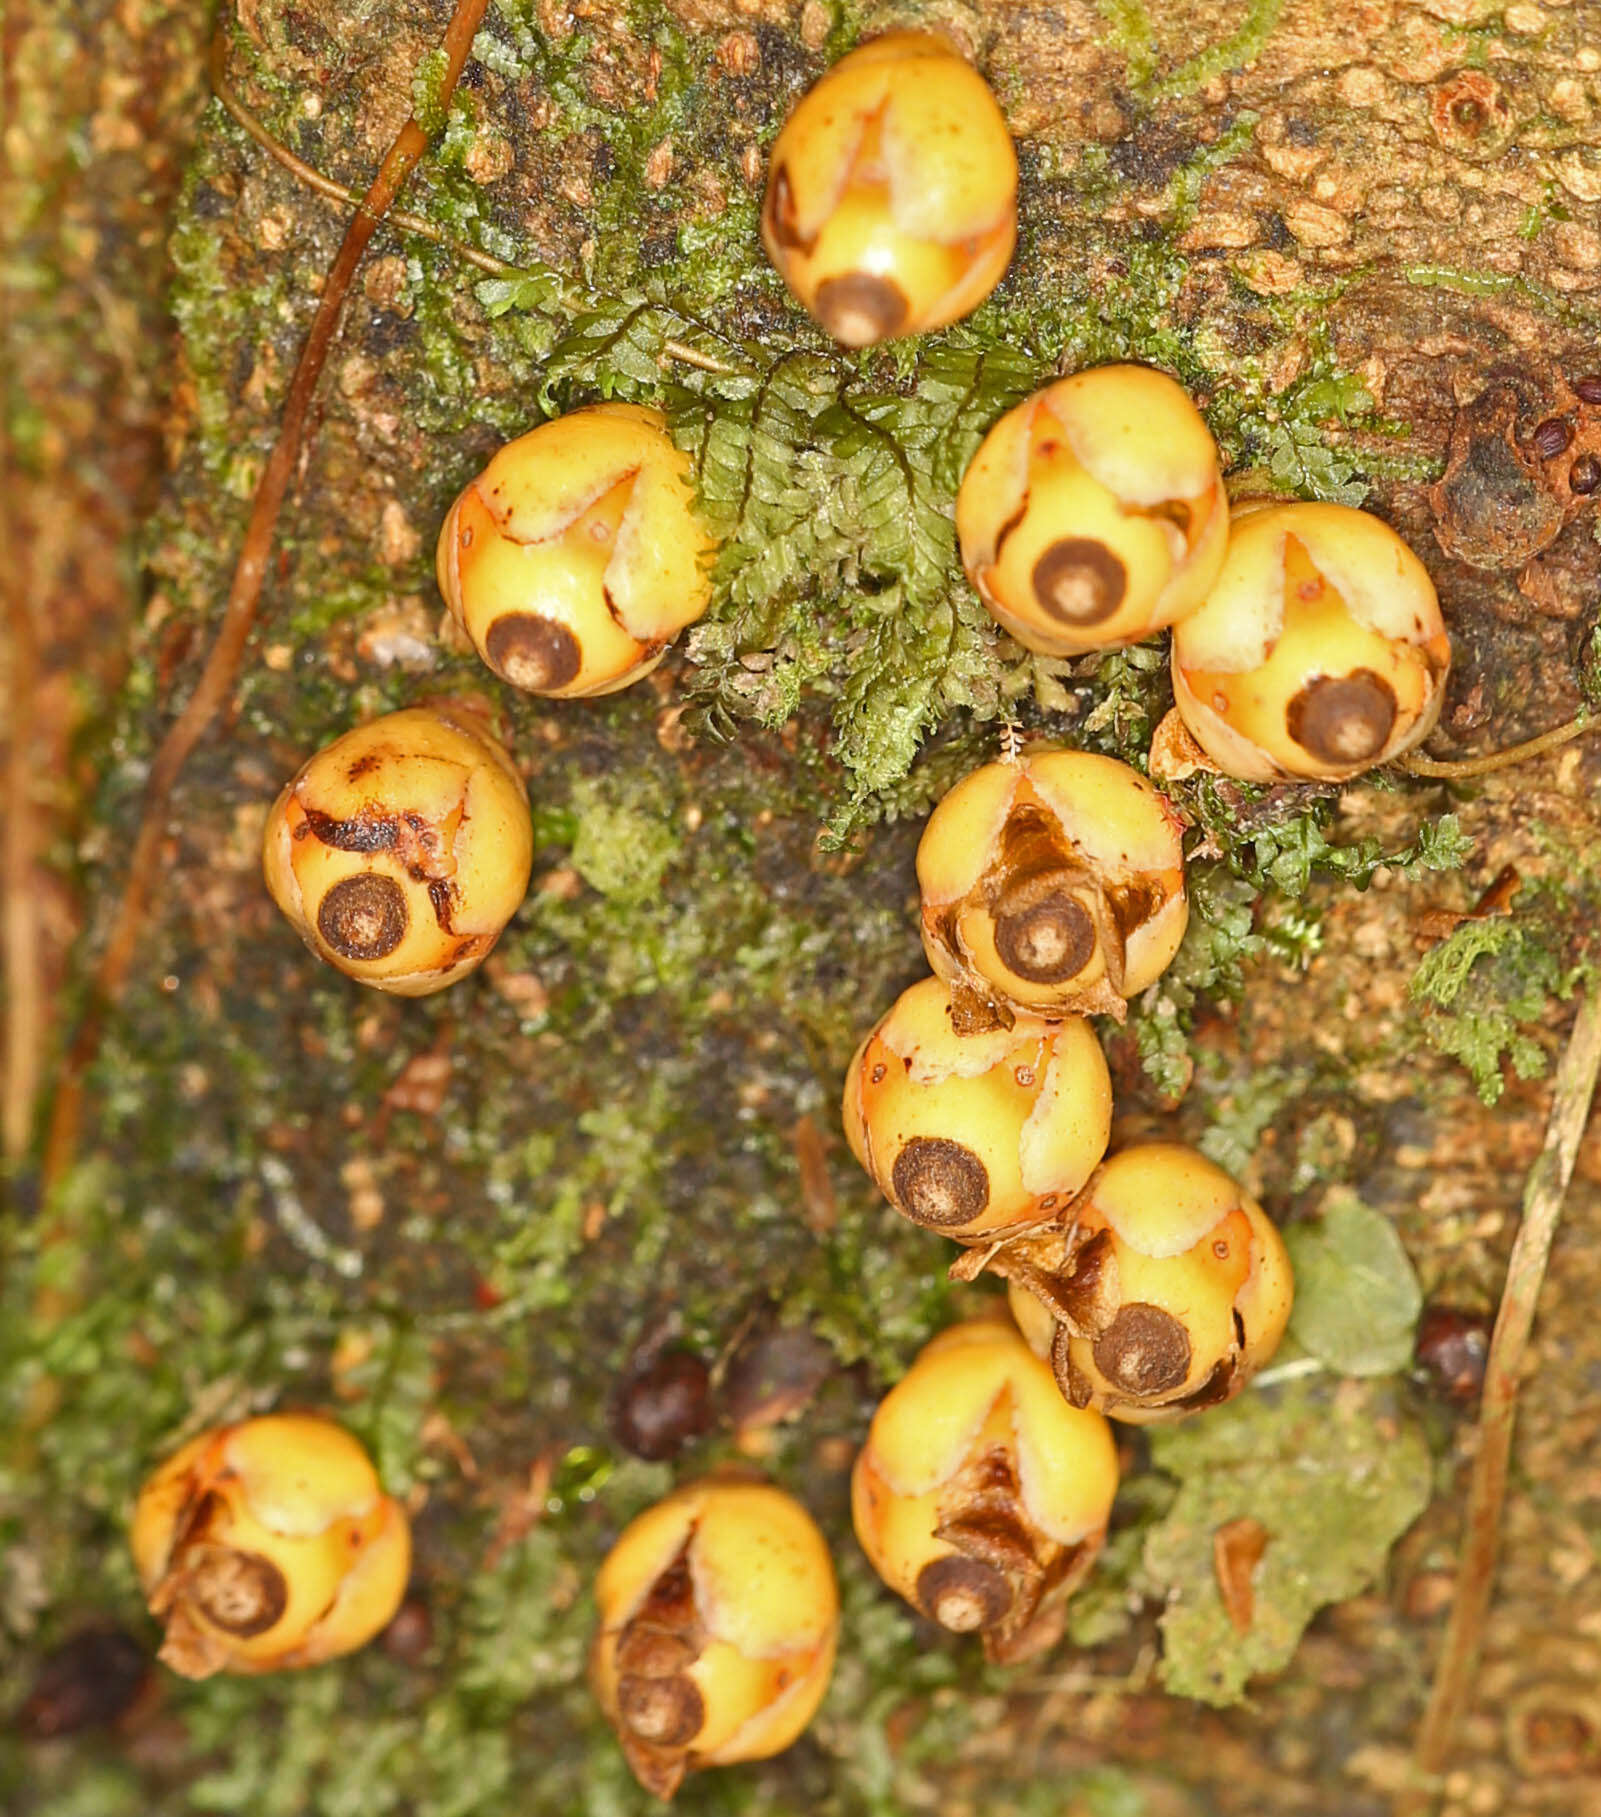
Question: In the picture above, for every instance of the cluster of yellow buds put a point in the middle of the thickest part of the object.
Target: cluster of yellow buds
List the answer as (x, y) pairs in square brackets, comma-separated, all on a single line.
[(1307, 643)]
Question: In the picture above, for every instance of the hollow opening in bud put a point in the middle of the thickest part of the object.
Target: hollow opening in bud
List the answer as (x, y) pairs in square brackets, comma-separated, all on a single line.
[(1144, 1351), (963, 1594), (1079, 581), (939, 1182), (363, 917), (859, 308), (533, 653), (1042, 932), (242, 1593), (1343, 718), (667, 1712)]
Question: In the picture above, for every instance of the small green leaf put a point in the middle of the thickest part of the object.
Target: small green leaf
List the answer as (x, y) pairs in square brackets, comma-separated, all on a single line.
[(1335, 1474), (1356, 1296)]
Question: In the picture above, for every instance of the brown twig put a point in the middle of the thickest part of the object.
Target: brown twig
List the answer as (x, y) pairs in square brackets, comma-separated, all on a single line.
[(23, 961), (226, 656), (24, 1006), (1459, 769), (1543, 1193), (329, 187)]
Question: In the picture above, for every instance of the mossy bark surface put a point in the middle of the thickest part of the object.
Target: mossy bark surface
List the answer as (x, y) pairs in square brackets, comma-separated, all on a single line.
[(1368, 239)]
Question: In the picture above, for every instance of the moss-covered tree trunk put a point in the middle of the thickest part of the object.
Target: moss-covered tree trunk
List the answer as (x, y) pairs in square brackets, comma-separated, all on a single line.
[(1366, 237)]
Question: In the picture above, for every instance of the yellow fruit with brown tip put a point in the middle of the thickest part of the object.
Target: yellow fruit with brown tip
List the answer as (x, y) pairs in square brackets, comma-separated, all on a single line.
[(401, 850), (891, 204), (1319, 650), (1162, 1291), (1053, 884), (968, 1128), (718, 1622), (268, 1545), (980, 1495), (1093, 514), (577, 555)]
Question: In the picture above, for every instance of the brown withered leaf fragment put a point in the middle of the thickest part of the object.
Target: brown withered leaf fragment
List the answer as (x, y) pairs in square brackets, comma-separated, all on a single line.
[(1217, 1388), (1496, 899), (1174, 753), (1086, 1299), (1237, 1548), (970, 1264), (975, 1014), (1075, 1385), (818, 1205), (659, 1770)]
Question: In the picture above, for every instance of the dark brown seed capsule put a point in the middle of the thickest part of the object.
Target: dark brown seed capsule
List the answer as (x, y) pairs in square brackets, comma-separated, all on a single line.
[(1588, 388), (1042, 933), (1551, 438), (939, 1182), (773, 1375), (410, 1633), (963, 1594), (662, 1405), (85, 1683), (1144, 1351), (240, 1592), (859, 309), (1584, 475), (532, 652), (1079, 581), (1452, 1348), (667, 1712), (1343, 718), (363, 917)]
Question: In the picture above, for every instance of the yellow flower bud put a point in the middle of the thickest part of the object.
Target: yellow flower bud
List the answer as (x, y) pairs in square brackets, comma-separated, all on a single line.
[(1094, 513), (718, 1621), (400, 851), (980, 1495), (1054, 884), (576, 556), (967, 1130), (1162, 1290), (1319, 651), (891, 203), (269, 1545)]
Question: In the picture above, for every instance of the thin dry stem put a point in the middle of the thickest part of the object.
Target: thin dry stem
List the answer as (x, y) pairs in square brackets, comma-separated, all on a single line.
[(24, 1005), (329, 187), (1461, 768), (24, 1016), (226, 656), (1543, 1193), (335, 191)]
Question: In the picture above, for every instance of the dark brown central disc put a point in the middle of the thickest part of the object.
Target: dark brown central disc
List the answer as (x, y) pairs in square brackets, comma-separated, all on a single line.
[(667, 1712), (859, 309), (1079, 581), (939, 1182), (363, 917), (963, 1594), (1046, 938), (1343, 718), (533, 653), (1144, 1351), (240, 1592)]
